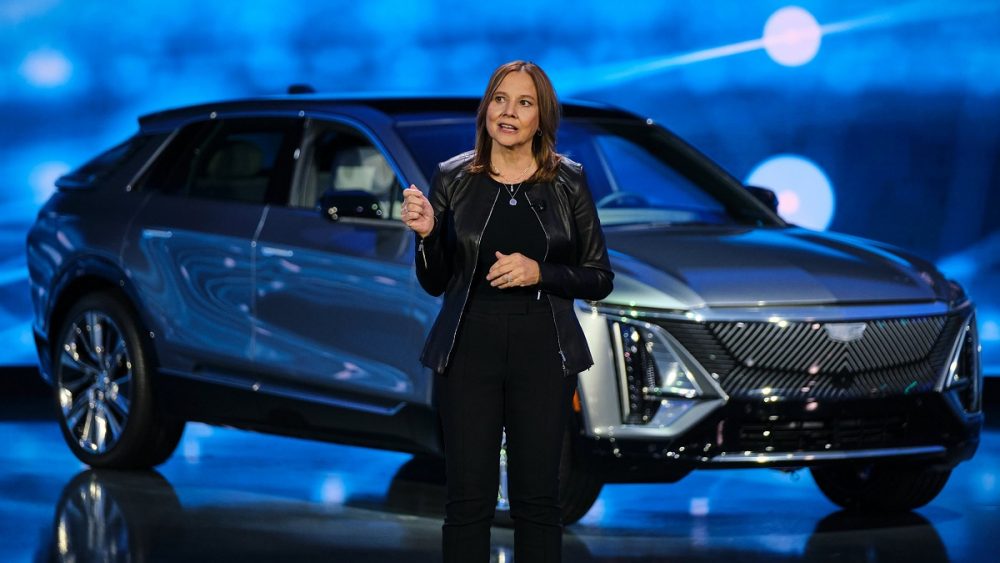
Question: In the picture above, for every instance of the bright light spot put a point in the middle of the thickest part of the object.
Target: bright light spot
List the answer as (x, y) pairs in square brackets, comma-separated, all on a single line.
[(991, 331), (333, 490), (698, 507), (788, 203), (43, 179), (813, 203), (46, 68), (792, 36)]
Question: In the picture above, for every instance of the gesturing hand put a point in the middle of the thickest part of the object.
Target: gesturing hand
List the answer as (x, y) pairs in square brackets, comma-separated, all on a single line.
[(418, 214), (513, 270)]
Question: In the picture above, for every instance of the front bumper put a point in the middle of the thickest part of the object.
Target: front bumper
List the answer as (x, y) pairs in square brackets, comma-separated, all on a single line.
[(798, 435), (890, 399)]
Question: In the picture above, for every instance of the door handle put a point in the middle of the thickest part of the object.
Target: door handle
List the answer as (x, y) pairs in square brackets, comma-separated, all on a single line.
[(272, 251)]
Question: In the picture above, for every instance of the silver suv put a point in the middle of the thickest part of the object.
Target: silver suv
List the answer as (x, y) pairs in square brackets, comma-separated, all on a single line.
[(243, 263)]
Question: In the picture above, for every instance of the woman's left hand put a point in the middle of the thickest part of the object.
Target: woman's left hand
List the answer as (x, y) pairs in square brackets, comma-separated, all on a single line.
[(513, 270)]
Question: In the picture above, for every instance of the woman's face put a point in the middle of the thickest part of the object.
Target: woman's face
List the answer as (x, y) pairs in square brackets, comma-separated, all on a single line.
[(512, 117)]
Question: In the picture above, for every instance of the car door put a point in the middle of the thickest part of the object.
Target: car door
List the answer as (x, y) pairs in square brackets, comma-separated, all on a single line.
[(190, 248), (334, 278)]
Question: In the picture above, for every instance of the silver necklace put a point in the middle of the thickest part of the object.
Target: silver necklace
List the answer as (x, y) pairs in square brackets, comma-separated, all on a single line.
[(512, 191), (510, 187)]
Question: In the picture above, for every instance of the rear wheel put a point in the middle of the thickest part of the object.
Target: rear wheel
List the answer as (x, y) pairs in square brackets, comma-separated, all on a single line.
[(880, 488), (104, 391)]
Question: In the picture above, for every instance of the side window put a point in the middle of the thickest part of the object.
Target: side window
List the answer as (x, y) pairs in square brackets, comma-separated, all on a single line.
[(344, 162), (109, 162), (247, 160)]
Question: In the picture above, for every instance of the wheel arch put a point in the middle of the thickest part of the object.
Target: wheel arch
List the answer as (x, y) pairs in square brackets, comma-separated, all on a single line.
[(84, 277)]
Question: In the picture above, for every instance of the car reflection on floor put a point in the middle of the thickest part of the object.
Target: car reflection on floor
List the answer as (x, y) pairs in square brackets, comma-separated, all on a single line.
[(231, 495)]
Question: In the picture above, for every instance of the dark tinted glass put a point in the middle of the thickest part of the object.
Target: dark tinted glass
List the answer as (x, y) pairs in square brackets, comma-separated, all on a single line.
[(247, 160), (107, 163)]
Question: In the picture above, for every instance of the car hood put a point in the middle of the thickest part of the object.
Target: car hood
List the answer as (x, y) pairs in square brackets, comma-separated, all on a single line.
[(693, 267)]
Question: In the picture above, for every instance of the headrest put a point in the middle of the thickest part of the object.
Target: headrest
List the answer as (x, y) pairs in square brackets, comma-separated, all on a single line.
[(235, 159), (362, 168)]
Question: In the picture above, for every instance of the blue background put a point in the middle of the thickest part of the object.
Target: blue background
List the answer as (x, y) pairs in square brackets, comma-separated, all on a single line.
[(898, 108)]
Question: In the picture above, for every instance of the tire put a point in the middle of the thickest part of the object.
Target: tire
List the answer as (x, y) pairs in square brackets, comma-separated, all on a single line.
[(104, 388), (578, 487), (879, 488)]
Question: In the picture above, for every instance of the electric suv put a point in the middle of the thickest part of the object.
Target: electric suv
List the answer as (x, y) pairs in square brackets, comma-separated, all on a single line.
[(243, 263)]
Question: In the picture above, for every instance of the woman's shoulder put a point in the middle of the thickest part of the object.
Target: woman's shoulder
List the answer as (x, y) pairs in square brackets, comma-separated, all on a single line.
[(570, 172), (456, 164)]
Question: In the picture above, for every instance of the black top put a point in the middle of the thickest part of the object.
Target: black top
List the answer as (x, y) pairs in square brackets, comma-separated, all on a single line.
[(511, 228)]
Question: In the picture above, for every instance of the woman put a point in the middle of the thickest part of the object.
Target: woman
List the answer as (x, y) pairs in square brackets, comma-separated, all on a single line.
[(510, 236)]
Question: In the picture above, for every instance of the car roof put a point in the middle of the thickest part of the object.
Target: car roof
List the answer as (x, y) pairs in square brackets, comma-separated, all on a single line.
[(394, 106)]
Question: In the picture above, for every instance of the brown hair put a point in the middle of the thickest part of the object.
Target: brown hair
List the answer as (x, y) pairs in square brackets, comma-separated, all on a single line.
[(543, 145)]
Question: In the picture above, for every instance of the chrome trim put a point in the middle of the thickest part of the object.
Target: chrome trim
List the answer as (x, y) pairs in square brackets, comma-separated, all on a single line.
[(270, 389), (152, 158), (329, 401), (764, 458), (619, 355), (830, 313), (951, 365)]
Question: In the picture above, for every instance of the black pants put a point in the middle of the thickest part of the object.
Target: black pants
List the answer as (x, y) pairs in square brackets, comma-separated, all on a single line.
[(505, 373)]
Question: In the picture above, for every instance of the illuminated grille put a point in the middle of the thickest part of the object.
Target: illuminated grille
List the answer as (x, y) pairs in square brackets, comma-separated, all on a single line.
[(808, 347), (800, 360)]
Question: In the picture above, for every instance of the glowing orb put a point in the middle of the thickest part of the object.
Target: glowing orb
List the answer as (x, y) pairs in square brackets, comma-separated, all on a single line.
[(805, 196), (46, 68), (792, 36)]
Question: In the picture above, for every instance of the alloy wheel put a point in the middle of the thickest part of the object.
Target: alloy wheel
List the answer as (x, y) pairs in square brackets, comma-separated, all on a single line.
[(95, 383)]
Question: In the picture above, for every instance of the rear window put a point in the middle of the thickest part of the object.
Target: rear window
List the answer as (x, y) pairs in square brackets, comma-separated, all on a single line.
[(106, 164)]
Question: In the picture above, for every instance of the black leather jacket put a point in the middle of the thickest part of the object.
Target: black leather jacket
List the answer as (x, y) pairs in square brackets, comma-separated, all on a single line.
[(576, 264)]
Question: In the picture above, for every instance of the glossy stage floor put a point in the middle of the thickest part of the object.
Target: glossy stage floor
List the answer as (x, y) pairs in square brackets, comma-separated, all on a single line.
[(228, 495)]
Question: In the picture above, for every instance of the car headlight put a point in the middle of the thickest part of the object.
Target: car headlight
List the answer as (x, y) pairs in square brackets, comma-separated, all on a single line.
[(653, 371), (964, 374)]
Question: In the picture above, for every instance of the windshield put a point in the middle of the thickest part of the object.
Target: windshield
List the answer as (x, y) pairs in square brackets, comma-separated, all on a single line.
[(638, 173)]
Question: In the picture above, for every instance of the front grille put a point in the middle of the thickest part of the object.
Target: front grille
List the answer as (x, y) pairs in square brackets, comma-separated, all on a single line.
[(820, 435), (800, 360), (804, 346)]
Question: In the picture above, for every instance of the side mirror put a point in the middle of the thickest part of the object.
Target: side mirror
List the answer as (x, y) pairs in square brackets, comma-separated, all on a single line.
[(765, 196), (336, 205)]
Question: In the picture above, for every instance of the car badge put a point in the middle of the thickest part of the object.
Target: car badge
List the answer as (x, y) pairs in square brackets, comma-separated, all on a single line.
[(845, 332)]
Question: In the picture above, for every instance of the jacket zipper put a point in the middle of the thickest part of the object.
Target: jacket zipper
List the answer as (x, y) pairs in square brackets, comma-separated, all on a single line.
[(420, 248), (472, 277), (552, 310)]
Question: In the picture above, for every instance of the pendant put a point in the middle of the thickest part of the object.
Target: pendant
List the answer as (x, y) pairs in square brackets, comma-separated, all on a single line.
[(513, 202)]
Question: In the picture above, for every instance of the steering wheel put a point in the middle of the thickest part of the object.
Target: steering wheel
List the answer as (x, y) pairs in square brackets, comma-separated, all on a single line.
[(622, 199)]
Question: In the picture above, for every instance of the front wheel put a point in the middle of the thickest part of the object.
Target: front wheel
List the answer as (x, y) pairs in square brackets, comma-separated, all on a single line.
[(578, 486), (880, 488), (104, 390)]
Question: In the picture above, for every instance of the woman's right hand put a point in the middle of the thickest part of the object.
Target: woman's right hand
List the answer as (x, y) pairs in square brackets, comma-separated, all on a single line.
[(418, 214)]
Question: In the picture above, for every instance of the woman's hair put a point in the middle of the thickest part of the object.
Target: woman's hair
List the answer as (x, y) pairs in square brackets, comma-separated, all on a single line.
[(543, 145)]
